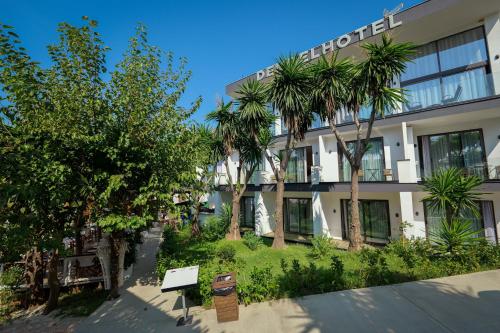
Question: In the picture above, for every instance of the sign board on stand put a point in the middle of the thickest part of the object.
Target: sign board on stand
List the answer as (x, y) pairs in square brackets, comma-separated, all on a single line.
[(181, 279)]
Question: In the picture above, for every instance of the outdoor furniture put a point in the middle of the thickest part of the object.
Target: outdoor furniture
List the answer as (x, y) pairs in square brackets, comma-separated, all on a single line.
[(225, 297), (413, 106), (181, 279), (452, 99)]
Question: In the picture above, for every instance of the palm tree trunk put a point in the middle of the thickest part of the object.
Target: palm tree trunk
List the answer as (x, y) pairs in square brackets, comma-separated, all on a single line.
[(234, 228), (195, 225), (355, 241), (53, 282), (279, 233)]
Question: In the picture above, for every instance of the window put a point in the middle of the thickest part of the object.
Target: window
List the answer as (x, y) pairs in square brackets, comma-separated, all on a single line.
[(298, 216), (372, 165), (463, 150), (247, 212), (450, 70), (484, 223), (374, 218), (299, 165)]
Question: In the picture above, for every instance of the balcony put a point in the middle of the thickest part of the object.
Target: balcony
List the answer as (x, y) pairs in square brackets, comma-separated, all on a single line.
[(486, 171), (452, 89)]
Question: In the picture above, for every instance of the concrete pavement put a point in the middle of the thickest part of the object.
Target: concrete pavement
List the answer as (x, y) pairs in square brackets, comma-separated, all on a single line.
[(466, 303)]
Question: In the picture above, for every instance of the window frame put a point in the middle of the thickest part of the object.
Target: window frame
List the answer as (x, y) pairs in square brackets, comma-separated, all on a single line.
[(421, 153), (341, 161), (287, 221), (344, 226)]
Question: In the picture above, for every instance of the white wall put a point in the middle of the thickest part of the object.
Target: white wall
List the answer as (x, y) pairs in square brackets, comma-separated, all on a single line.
[(492, 28)]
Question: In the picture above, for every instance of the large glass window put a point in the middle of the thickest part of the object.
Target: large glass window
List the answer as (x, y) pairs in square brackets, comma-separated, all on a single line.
[(463, 150), (485, 223), (372, 164), (299, 165), (374, 218), (247, 212), (450, 70), (462, 49), (298, 216)]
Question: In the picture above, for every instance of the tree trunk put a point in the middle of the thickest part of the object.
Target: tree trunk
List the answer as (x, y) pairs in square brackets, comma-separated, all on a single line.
[(355, 241), (34, 275), (78, 238), (234, 228), (53, 282), (195, 224), (114, 243), (279, 233)]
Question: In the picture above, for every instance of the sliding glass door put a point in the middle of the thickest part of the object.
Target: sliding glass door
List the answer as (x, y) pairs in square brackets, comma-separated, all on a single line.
[(299, 165), (484, 223), (374, 218), (298, 216), (247, 212), (372, 164), (463, 150)]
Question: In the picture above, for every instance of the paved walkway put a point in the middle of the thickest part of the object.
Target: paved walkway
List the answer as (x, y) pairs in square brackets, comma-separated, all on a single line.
[(466, 303)]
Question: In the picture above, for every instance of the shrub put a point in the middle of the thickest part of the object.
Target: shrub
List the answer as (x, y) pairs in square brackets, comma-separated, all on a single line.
[(215, 228), (262, 286), (226, 252), (452, 238), (375, 270), (298, 280), (169, 243), (12, 277), (322, 246), (337, 269), (251, 240)]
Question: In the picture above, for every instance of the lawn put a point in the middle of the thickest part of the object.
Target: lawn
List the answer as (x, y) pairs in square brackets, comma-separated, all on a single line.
[(267, 273)]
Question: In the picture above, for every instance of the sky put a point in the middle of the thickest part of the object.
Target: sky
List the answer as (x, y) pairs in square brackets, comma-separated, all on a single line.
[(222, 40)]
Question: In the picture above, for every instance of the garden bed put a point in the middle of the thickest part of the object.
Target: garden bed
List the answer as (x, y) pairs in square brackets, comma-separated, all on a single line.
[(266, 273)]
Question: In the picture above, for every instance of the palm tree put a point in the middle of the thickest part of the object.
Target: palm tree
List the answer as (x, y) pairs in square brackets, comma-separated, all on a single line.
[(231, 137), (342, 83), (289, 93), (452, 192)]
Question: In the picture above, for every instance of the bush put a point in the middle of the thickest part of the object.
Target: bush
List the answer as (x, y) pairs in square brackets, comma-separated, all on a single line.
[(322, 246), (133, 238), (252, 241), (375, 270), (215, 228), (337, 268), (262, 286), (226, 252), (12, 277), (169, 243)]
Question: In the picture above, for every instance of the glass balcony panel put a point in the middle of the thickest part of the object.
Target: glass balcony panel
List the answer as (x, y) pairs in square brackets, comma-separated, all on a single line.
[(465, 86), (422, 95)]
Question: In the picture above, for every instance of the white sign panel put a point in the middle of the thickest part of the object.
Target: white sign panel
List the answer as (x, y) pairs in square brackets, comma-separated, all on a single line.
[(180, 278)]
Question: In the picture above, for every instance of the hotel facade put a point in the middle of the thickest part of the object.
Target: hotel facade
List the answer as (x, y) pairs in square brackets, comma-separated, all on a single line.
[(451, 119)]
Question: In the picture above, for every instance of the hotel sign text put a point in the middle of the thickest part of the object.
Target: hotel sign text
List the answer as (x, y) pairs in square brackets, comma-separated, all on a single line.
[(373, 29)]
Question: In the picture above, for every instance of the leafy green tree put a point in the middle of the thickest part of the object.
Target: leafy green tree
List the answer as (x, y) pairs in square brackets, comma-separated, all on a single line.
[(148, 150), (289, 94), (73, 143), (344, 84), (47, 153), (230, 138)]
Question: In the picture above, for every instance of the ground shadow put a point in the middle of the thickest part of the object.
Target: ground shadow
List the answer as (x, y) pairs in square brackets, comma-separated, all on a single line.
[(423, 306)]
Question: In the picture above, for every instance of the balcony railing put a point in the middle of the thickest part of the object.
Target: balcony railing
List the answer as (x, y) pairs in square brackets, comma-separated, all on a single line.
[(485, 171), (451, 89)]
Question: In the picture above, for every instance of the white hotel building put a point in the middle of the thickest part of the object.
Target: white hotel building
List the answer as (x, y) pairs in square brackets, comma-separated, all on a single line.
[(452, 118)]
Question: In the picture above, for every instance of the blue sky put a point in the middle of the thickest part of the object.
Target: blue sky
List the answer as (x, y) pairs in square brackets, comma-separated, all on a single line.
[(223, 40)]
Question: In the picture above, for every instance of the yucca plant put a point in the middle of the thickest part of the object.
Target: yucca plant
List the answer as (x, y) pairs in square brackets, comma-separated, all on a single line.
[(452, 192), (453, 237)]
